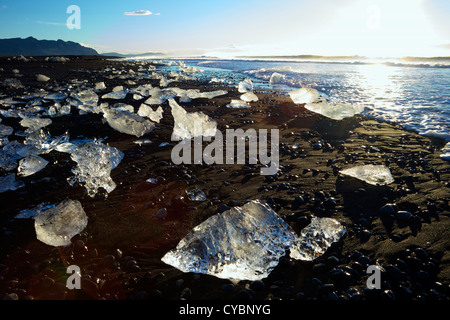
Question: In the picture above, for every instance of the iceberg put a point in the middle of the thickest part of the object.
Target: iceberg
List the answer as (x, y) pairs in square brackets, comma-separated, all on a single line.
[(276, 78), (377, 175), (245, 86), (249, 97), (242, 243), (57, 226), (9, 182), (316, 238), (304, 95), (190, 124), (335, 111), (238, 104), (147, 111), (127, 122), (30, 165), (94, 164)]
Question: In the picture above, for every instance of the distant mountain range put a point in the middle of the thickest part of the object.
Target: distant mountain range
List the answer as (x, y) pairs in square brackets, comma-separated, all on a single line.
[(33, 47)]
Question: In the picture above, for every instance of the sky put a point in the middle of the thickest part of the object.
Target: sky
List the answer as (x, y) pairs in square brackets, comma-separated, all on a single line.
[(373, 28)]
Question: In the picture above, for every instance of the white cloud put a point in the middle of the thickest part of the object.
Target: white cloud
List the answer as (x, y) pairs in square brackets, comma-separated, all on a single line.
[(141, 13)]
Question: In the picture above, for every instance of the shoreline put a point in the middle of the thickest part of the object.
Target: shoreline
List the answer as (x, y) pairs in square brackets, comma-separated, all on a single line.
[(122, 245)]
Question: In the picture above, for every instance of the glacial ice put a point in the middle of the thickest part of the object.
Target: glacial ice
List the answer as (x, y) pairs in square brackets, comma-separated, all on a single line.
[(335, 111), (243, 243), (238, 104), (446, 152), (95, 161), (190, 124), (5, 130), (159, 96), (57, 226), (87, 97), (42, 78), (196, 194), (9, 182), (245, 85), (118, 94), (276, 78), (304, 95), (377, 175), (316, 238), (34, 212), (249, 97), (147, 111), (30, 165), (35, 123), (100, 86), (44, 142), (127, 122)]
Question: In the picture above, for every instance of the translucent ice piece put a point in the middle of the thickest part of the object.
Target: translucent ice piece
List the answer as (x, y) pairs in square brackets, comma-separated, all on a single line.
[(56, 96), (129, 123), (377, 175), (243, 243), (5, 130), (158, 96), (116, 95), (9, 182), (147, 111), (44, 142), (446, 152), (88, 97), (304, 95), (196, 194), (190, 124), (245, 86), (100, 86), (30, 165), (238, 104), (35, 123), (335, 111), (42, 78), (316, 238), (276, 78), (56, 226), (34, 212), (249, 97), (95, 161)]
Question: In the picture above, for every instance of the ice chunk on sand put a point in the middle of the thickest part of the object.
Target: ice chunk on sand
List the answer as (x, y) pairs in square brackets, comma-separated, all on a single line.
[(129, 123), (249, 97), (196, 194), (100, 86), (42, 78), (121, 94), (30, 165), (147, 111), (190, 124), (238, 104), (276, 78), (5, 130), (36, 123), (158, 96), (304, 95), (56, 226), (446, 152), (335, 111), (56, 96), (245, 86), (243, 243), (88, 97), (95, 161), (316, 238), (377, 175), (9, 182), (44, 142)]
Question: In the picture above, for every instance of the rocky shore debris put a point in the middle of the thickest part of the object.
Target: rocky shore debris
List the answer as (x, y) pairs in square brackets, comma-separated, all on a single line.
[(57, 226), (377, 175)]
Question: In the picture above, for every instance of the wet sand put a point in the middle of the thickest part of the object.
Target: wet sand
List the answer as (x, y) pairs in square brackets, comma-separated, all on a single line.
[(120, 250)]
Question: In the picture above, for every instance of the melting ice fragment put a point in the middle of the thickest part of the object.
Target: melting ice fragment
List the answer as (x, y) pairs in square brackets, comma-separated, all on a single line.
[(238, 104), (446, 152), (335, 111), (196, 194), (316, 238), (377, 175), (304, 95), (42, 78), (147, 111), (190, 124), (127, 122), (34, 212), (249, 97), (276, 78), (121, 94), (9, 182), (243, 243), (56, 226), (36, 123), (95, 161), (30, 165), (5, 130), (245, 86)]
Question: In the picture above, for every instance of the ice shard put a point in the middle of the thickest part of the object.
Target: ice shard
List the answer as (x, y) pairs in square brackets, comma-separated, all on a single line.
[(120, 94), (127, 122), (35, 123), (238, 104), (446, 152), (9, 182), (95, 161), (57, 226), (304, 95), (249, 97), (245, 85), (86, 97), (276, 78), (42, 78), (5, 130), (377, 175), (44, 142), (147, 111), (190, 124), (30, 165), (316, 238), (243, 243), (34, 212), (335, 111)]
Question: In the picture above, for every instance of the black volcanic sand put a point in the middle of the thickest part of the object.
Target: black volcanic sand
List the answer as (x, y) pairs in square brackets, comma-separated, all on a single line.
[(120, 250)]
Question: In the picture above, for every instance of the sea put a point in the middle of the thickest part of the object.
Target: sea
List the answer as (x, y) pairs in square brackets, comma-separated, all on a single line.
[(412, 93)]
